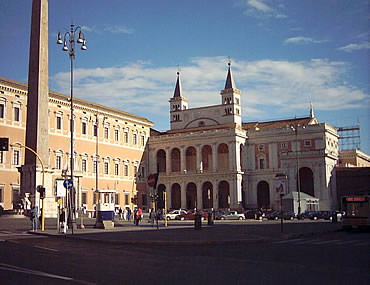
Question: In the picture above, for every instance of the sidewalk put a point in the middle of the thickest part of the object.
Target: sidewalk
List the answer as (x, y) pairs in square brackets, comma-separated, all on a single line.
[(183, 233)]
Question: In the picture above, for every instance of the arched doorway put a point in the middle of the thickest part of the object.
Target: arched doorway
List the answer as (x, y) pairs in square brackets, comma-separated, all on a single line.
[(223, 157), (306, 181), (263, 195), (191, 159), (207, 195), (207, 158), (161, 160), (176, 196), (223, 195), (175, 160), (160, 190), (191, 195)]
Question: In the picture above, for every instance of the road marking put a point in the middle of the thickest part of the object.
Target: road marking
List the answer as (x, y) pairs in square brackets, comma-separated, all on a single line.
[(327, 241), (46, 248), (9, 267), (308, 241), (289, 240)]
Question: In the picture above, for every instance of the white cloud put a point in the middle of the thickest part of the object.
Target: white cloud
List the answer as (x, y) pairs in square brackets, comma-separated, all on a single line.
[(270, 88), (301, 40), (259, 8), (352, 47), (118, 30)]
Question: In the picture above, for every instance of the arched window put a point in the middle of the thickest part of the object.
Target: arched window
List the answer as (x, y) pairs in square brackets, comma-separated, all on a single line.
[(223, 195), (175, 160), (223, 157), (161, 160), (306, 183), (263, 195), (206, 158), (176, 196), (207, 195), (191, 195), (191, 159)]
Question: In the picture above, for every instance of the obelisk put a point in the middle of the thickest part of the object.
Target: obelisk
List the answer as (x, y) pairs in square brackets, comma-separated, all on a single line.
[(37, 127)]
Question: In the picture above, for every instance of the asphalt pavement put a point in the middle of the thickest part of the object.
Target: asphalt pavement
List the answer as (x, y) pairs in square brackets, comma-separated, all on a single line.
[(180, 232)]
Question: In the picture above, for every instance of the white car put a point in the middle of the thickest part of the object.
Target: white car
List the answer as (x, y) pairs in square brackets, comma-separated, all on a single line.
[(173, 214), (232, 215)]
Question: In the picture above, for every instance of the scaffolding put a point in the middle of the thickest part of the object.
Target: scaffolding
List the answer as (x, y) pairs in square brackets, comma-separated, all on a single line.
[(349, 137)]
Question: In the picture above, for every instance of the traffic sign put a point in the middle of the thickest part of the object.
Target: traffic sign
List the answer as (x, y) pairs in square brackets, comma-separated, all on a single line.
[(151, 180), (68, 184)]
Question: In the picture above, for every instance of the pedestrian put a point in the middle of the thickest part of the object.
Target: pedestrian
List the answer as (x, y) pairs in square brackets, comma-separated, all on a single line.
[(120, 213), (152, 216), (129, 212), (34, 217), (139, 214), (135, 217)]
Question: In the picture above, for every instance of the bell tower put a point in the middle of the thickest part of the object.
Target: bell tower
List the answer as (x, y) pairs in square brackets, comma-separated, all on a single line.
[(230, 99), (178, 103)]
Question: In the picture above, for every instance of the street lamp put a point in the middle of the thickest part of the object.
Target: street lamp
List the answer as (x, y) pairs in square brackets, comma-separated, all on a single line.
[(70, 35), (295, 129)]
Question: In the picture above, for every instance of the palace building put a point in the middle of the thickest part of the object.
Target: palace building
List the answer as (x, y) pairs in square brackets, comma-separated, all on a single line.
[(107, 141), (211, 159)]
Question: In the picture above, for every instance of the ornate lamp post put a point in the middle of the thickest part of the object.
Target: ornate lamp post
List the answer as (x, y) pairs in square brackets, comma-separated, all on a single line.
[(70, 35)]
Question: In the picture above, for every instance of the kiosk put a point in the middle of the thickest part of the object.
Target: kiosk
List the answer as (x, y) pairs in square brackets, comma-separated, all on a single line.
[(105, 209)]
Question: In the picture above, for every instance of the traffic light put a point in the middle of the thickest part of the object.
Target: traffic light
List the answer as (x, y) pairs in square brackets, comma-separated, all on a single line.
[(4, 144), (41, 190)]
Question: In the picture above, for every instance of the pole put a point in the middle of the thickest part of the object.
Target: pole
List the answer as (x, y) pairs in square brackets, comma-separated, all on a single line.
[(281, 213), (297, 162), (165, 208)]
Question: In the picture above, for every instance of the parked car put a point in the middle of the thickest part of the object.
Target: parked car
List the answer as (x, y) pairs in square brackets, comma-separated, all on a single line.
[(173, 214), (253, 214), (273, 215), (304, 215), (232, 215), (191, 215), (286, 215)]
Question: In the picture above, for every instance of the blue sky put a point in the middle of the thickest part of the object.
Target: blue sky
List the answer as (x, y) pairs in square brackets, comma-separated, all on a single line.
[(285, 54)]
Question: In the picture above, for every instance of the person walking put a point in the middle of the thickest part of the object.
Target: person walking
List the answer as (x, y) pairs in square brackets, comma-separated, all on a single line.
[(34, 218), (120, 213), (125, 214), (152, 216)]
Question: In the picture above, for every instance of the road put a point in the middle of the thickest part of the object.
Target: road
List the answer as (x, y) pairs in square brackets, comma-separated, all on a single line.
[(331, 258)]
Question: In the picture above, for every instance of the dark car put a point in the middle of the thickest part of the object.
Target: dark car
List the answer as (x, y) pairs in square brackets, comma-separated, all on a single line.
[(304, 215), (191, 215), (317, 215), (273, 215), (253, 214), (286, 215)]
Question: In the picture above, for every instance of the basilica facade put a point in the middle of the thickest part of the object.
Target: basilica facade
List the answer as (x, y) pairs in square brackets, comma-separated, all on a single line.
[(211, 159)]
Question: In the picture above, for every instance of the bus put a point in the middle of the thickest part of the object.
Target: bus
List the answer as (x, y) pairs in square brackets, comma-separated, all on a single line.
[(356, 211)]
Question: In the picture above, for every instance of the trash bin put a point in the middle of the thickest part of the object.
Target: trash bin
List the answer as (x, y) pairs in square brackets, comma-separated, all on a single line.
[(198, 222), (334, 217), (210, 219)]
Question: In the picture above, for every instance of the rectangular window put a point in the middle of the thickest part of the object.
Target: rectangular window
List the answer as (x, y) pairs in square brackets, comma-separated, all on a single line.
[(59, 123), (116, 135), (83, 130), (126, 199), (84, 165), (16, 157), (116, 198), (95, 198), (2, 111), (307, 143), (95, 130), (1, 157), (142, 140), (95, 166), (126, 170), (135, 171), (106, 132), (1, 194), (106, 167), (134, 139), (262, 163), (284, 145), (58, 162), (116, 169), (84, 198), (126, 137), (16, 114)]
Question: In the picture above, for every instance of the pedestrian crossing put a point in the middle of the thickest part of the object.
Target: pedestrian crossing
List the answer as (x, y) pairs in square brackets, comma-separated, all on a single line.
[(323, 241), (7, 235)]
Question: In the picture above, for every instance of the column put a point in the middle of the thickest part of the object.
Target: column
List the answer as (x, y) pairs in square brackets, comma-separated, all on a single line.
[(168, 160), (215, 194), (183, 195), (182, 158), (168, 191), (199, 158), (199, 195), (231, 145), (214, 157)]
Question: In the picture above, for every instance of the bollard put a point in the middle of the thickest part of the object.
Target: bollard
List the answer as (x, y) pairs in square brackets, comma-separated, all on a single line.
[(197, 222), (210, 219), (334, 217)]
